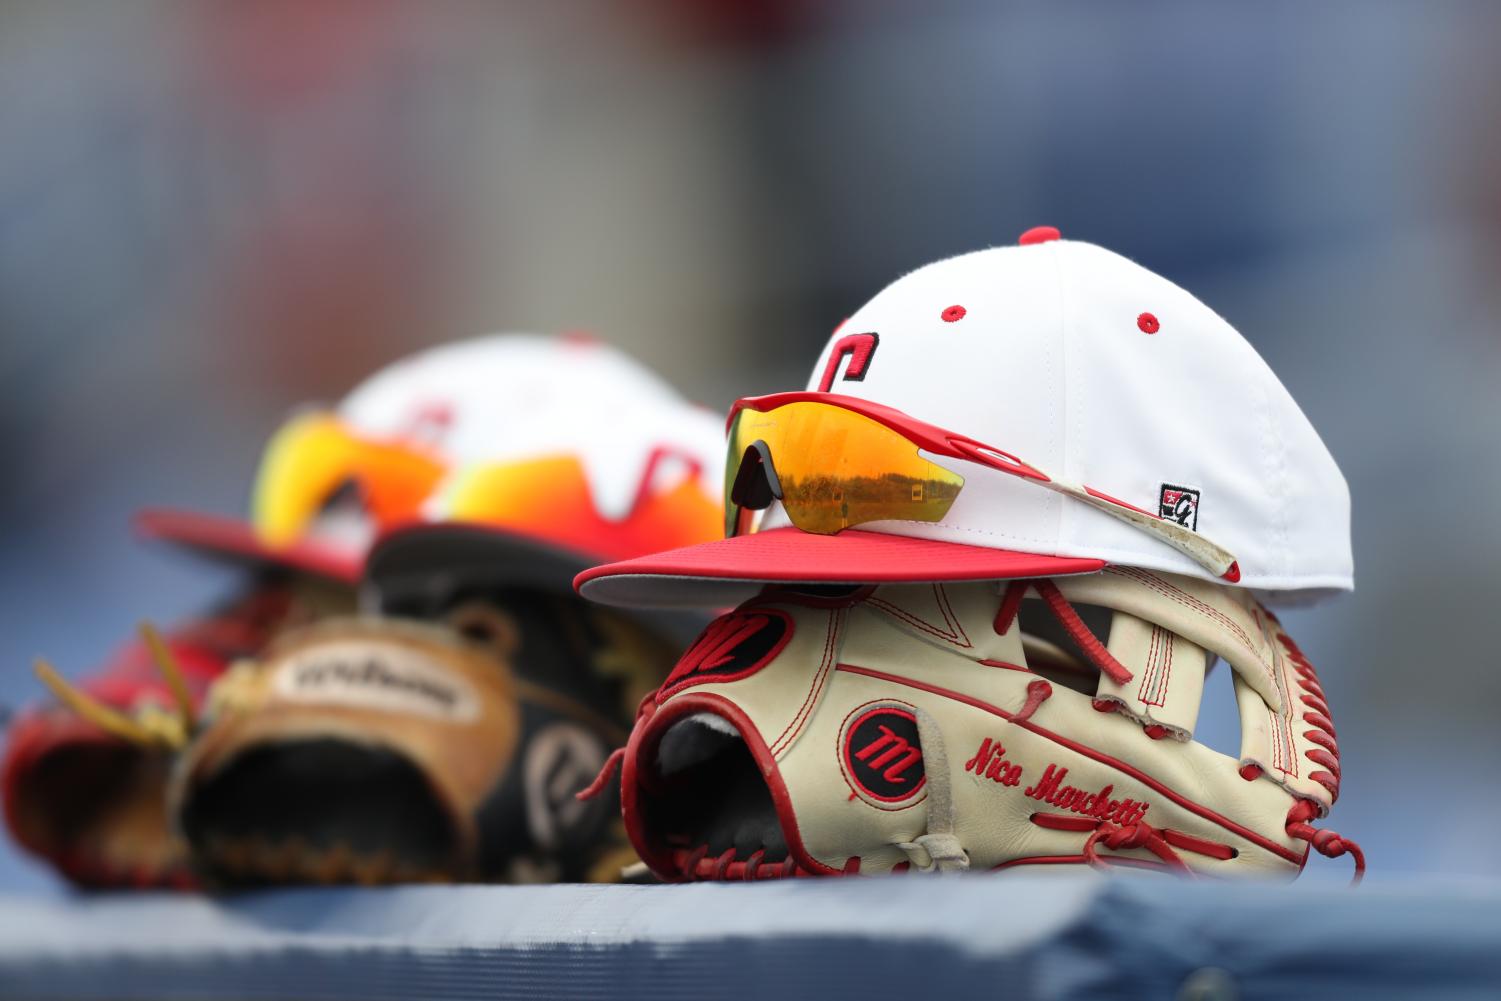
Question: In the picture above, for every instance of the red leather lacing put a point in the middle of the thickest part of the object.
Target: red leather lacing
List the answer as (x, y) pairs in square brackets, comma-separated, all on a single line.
[(612, 764), (1038, 692), (1079, 632), (1011, 602), (1087, 641), (697, 864), (1326, 842), (602, 780), (1325, 755), (1161, 842)]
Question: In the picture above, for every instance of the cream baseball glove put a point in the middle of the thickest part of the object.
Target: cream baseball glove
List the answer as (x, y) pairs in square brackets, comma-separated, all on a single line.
[(982, 726)]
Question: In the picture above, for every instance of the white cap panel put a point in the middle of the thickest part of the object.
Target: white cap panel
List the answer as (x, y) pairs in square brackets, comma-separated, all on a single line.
[(510, 397)]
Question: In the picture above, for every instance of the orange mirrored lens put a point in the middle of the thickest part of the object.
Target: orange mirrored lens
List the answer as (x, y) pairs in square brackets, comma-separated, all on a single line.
[(313, 455), (549, 498), (839, 469)]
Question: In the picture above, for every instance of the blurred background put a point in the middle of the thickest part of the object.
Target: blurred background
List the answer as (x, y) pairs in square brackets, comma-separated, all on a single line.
[(213, 211)]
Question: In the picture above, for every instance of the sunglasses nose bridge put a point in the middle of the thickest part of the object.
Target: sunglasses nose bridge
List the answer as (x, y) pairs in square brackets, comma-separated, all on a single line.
[(756, 484)]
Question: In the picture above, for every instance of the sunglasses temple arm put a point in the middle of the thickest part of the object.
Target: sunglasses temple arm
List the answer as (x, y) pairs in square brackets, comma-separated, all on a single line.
[(1216, 559), (745, 521)]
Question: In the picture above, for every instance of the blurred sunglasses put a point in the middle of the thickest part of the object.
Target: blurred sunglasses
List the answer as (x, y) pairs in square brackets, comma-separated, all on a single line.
[(315, 455), (835, 462)]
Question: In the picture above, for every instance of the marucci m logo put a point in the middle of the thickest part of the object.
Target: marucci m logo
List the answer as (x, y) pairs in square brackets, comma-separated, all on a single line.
[(860, 348), (889, 749), (882, 755)]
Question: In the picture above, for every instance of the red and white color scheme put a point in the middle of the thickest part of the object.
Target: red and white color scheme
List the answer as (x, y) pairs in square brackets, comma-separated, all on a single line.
[(983, 726), (1038, 493), (564, 442), (559, 451), (1150, 434), (402, 445)]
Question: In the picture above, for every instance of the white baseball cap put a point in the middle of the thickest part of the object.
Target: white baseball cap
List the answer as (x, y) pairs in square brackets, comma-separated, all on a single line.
[(566, 443), (548, 455), (1162, 439)]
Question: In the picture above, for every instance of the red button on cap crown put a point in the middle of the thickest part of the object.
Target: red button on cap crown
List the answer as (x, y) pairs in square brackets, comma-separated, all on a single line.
[(1039, 234)]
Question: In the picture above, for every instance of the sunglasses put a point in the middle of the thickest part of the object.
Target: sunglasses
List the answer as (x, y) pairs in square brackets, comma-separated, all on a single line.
[(835, 462), (549, 497), (316, 454)]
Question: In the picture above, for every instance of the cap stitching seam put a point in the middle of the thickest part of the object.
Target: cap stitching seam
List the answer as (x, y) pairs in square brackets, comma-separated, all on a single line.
[(1063, 520)]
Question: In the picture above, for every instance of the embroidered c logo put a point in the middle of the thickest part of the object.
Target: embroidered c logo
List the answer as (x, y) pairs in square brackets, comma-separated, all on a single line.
[(860, 348)]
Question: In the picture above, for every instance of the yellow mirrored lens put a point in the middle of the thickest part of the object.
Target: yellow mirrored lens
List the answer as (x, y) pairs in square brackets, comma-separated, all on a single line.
[(313, 455), (839, 469)]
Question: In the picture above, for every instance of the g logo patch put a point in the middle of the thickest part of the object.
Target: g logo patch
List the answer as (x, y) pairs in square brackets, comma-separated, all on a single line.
[(734, 646), (881, 754), (1180, 504)]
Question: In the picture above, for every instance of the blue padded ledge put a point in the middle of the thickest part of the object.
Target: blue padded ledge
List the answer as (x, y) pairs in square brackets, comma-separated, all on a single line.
[(908, 938)]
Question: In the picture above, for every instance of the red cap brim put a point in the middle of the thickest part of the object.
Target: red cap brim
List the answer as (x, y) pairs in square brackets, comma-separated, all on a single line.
[(231, 540), (726, 572)]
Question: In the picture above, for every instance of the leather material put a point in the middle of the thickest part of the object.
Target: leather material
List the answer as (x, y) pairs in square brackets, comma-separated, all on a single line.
[(90, 802), (489, 718), (909, 733)]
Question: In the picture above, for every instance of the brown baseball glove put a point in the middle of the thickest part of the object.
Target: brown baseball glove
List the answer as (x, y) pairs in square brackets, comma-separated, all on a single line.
[(84, 779), (382, 750)]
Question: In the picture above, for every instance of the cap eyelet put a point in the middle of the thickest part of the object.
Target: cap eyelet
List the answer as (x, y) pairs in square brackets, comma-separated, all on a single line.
[(953, 314), (1148, 324)]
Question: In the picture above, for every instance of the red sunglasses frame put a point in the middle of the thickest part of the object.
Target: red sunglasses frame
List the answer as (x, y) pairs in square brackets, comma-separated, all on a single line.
[(939, 441)]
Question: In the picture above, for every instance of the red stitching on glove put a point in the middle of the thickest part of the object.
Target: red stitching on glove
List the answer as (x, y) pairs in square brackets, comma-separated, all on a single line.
[(1274, 846)]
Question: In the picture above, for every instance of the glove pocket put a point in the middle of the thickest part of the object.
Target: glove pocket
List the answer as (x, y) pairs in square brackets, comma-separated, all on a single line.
[(356, 751)]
